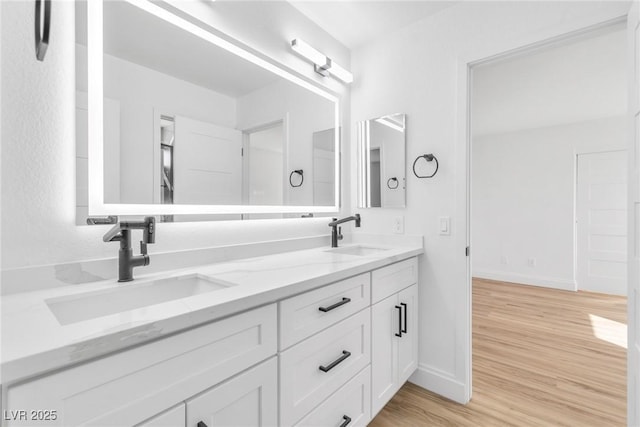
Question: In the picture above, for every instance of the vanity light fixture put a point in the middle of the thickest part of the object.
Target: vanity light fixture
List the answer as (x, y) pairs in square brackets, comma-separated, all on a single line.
[(322, 63)]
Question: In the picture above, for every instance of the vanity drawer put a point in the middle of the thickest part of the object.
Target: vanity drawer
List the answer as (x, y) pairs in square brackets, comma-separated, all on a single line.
[(304, 315), (129, 387), (351, 402), (314, 369), (393, 278)]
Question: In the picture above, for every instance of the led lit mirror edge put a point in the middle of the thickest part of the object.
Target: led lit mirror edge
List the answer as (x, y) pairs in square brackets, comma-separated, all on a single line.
[(96, 204), (363, 172)]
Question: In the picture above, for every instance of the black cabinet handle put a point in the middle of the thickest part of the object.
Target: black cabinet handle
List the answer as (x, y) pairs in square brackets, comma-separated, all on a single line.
[(201, 424), (336, 305), (336, 362), (347, 420), (399, 333), (404, 329)]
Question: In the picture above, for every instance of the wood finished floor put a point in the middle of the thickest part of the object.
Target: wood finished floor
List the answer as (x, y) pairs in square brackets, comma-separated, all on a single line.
[(536, 362)]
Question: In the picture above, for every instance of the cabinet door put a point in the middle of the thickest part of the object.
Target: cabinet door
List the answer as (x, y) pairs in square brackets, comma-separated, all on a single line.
[(250, 399), (408, 344), (384, 357), (174, 417)]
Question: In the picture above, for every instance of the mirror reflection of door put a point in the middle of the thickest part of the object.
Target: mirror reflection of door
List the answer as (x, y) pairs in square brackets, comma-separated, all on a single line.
[(264, 157), (167, 139), (324, 167), (374, 168)]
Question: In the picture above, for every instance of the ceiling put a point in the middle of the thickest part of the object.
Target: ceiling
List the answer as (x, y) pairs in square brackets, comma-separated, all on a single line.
[(356, 22), (139, 37), (576, 80)]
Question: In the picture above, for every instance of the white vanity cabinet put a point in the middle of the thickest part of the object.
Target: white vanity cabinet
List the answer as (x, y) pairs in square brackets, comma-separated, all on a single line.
[(328, 335), (394, 340), (132, 386), (333, 355)]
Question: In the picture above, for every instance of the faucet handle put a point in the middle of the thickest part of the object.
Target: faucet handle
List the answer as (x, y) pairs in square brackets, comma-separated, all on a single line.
[(340, 236), (143, 248)]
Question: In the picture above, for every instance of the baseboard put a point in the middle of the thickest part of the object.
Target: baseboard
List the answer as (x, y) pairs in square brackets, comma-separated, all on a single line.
[(545, 282), (439, 382)]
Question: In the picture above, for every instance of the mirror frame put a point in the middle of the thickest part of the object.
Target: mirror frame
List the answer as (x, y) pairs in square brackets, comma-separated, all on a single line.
[(97, 205)]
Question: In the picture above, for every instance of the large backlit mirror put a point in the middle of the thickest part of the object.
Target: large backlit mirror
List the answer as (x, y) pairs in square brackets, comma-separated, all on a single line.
[(180, 121), (381, 162)]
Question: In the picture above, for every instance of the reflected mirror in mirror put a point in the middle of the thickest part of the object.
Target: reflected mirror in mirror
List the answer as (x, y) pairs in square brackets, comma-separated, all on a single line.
[(187, 121), (381, 162)]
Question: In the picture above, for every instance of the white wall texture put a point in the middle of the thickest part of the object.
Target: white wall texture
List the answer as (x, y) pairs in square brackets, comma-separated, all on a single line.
[(420, 70), (38, 133), (523, 199)]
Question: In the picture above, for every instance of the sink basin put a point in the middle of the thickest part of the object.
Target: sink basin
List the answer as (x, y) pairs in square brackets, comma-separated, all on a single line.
[(358, 250), (90, 305)]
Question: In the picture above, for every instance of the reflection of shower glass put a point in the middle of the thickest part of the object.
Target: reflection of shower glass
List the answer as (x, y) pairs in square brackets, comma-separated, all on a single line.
[(167, 139)]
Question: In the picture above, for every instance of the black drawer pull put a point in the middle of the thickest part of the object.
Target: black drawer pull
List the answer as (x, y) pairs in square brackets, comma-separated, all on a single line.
[(201, 424), (336, 305), (347, 420), (399, 333), (336, 362), (404, 329)]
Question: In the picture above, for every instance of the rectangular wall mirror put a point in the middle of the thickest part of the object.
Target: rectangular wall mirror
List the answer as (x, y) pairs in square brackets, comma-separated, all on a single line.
[(381, 162), (181, 121)]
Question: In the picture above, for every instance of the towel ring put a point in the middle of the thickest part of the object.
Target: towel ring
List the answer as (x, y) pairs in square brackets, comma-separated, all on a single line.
[(42, 27), (428, 158), (390, 181), (297, 172)]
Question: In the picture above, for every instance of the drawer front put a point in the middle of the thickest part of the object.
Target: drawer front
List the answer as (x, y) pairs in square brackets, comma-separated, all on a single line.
[(351, 403), (249, 399), (393, 278), (314, 369), (304, 315), (131, 386), (173, 417)]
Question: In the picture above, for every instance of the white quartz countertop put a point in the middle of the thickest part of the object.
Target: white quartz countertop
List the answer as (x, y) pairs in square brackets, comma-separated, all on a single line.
[(35, 342)]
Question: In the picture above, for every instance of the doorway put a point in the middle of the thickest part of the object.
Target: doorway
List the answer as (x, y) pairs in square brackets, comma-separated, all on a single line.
[(545, 171)]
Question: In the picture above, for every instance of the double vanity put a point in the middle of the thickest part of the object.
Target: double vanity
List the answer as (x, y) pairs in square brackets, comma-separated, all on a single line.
[(314, 337)]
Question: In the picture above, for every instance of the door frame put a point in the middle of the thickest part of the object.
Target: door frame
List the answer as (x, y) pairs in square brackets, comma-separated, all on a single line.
[(246, 134), (462, 162)]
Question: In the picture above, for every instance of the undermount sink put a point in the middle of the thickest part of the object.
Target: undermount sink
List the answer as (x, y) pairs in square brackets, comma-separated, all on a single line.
[(358, 250), (91, 305)]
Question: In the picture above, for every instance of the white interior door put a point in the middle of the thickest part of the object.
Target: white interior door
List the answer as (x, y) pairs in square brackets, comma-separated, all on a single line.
[(633, 318), (601, 214), (207, 163)]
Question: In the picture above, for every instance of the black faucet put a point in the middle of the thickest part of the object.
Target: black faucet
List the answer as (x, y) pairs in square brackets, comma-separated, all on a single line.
[(336, 232), (121, 232)]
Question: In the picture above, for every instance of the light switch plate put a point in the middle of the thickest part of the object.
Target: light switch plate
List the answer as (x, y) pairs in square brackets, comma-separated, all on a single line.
[(444, 225)]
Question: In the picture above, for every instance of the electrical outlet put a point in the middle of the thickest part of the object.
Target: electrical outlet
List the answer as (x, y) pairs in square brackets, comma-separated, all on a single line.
[(531, 262), (504, 260), (398, 224)]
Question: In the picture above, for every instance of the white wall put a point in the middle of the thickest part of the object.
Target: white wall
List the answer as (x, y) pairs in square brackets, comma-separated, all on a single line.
[(523, 199), (420, 70), (38, 134)]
